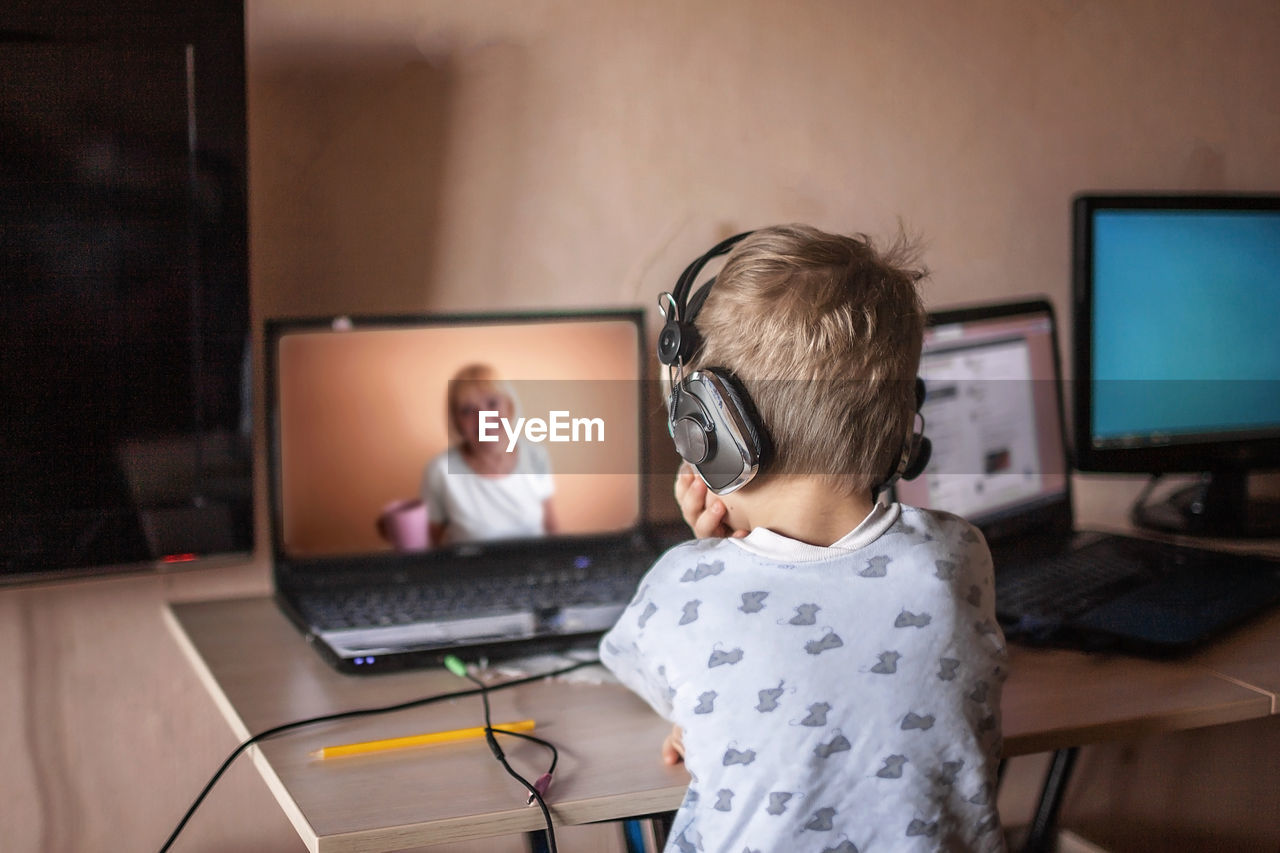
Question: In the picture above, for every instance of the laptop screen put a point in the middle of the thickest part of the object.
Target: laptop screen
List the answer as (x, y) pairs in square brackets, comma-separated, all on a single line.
[(369, 415), (992, 411)]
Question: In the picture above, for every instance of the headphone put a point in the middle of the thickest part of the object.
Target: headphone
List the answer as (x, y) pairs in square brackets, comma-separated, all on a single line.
[(710, 416)]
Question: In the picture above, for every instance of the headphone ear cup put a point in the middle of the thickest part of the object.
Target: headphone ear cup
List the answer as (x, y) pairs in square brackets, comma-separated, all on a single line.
[(915, 451), (919, 459), (747, 414), (716, 429), (921, 446)]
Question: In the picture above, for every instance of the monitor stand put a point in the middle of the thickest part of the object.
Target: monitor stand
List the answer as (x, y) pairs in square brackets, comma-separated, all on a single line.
[(1217, 505)]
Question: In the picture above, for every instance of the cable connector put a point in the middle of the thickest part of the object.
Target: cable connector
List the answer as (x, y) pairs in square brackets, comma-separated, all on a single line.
[(541, 786), (493, 744), (455, 665)]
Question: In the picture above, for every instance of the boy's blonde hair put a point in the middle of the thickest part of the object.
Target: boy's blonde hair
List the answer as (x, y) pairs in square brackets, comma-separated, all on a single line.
[(824, 332)]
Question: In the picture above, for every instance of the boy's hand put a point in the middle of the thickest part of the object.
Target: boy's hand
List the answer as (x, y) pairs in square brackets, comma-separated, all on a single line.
[(673, 747), (702, 510)]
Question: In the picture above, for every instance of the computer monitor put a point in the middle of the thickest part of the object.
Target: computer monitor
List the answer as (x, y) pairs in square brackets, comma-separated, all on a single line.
[(1177, 356)]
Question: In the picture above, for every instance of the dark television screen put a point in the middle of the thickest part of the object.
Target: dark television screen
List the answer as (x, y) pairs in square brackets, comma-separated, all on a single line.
[(125, 433)]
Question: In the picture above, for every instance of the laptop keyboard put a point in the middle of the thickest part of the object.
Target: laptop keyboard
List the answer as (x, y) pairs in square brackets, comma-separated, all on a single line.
[(1065, 584), (410, 602), (1165, 588)]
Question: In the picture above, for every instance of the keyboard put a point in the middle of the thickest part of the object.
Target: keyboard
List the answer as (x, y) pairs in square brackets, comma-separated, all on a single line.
[(1154, 592), (410, 602), (1066, 583)]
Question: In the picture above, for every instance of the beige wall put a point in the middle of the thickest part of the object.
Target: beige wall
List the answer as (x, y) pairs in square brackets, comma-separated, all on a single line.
[(412, 155)]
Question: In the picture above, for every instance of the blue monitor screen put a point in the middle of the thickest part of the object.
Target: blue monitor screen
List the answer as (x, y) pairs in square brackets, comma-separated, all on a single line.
[(1185, 334)]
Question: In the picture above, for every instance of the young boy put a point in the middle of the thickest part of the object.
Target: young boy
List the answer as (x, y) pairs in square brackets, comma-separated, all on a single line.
[(834, 674)]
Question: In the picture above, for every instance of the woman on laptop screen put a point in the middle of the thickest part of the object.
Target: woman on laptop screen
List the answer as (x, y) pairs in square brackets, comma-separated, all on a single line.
[(364, 466), (485, 486)]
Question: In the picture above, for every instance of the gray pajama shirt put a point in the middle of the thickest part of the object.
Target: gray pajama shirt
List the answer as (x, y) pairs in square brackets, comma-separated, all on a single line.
[(832, 699)]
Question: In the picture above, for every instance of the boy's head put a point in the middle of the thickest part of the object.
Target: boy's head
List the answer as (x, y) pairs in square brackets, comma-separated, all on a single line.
[(824, 332)]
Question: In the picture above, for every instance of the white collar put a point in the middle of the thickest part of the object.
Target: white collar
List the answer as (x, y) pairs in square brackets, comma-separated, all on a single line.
[(765, 543)]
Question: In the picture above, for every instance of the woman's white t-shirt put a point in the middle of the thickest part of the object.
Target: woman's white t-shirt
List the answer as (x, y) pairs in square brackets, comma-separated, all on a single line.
[(474, 507)]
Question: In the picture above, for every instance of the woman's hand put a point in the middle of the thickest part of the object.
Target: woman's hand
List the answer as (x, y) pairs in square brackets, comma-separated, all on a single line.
[(703, 511), (673, 747)]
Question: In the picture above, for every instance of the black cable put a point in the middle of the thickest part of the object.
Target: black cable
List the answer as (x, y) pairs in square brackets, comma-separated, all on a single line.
[(555, 753), (361, 712), (535, 795), (1138, 510)]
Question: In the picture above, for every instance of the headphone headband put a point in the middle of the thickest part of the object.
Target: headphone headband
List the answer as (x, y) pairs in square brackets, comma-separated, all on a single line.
[(680, 294)]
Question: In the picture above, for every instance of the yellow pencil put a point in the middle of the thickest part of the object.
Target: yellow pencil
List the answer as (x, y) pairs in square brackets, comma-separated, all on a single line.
[(429, 739)]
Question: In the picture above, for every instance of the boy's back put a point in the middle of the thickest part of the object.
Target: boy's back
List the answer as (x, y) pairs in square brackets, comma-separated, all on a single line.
[(832, 699), (835, 675)]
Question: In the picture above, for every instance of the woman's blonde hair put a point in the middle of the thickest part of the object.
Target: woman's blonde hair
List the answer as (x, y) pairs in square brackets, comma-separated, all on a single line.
[(479, 376), (824, 333)]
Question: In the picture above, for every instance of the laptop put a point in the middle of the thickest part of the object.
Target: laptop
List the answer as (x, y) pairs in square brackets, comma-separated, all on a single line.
[(360, 465), (994, 414)]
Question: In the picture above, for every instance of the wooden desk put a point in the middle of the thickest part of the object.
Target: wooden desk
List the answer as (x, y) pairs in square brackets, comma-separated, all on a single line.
[(1249, 655), (1055, 699), (261, 673)]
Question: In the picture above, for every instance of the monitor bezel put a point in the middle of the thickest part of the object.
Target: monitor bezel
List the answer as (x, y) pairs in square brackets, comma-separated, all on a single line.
[(284, 563), (1202, 453)]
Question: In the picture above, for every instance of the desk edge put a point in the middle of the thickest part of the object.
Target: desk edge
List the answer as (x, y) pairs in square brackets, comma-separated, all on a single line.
[(290, 807)]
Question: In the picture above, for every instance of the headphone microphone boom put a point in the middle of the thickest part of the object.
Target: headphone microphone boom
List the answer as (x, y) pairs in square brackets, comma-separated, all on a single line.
[(710, 415)]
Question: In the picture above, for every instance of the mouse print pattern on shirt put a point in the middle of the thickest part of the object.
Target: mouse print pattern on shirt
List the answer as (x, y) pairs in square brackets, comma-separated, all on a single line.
[(778, 802), (892, 768), (723, 658), (839, 743), (817, 715), (907, 619), (845, 846), (769, 698), (830, 640), (948, 668), (689, 613), (806, 614), (888, 664), (702, 571), (877, 567)]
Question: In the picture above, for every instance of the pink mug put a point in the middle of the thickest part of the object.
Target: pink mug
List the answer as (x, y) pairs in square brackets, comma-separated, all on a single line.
[(403, 523)]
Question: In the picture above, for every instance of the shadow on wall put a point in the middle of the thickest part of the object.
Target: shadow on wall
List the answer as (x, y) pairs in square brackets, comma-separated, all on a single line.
[(348, 155)]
